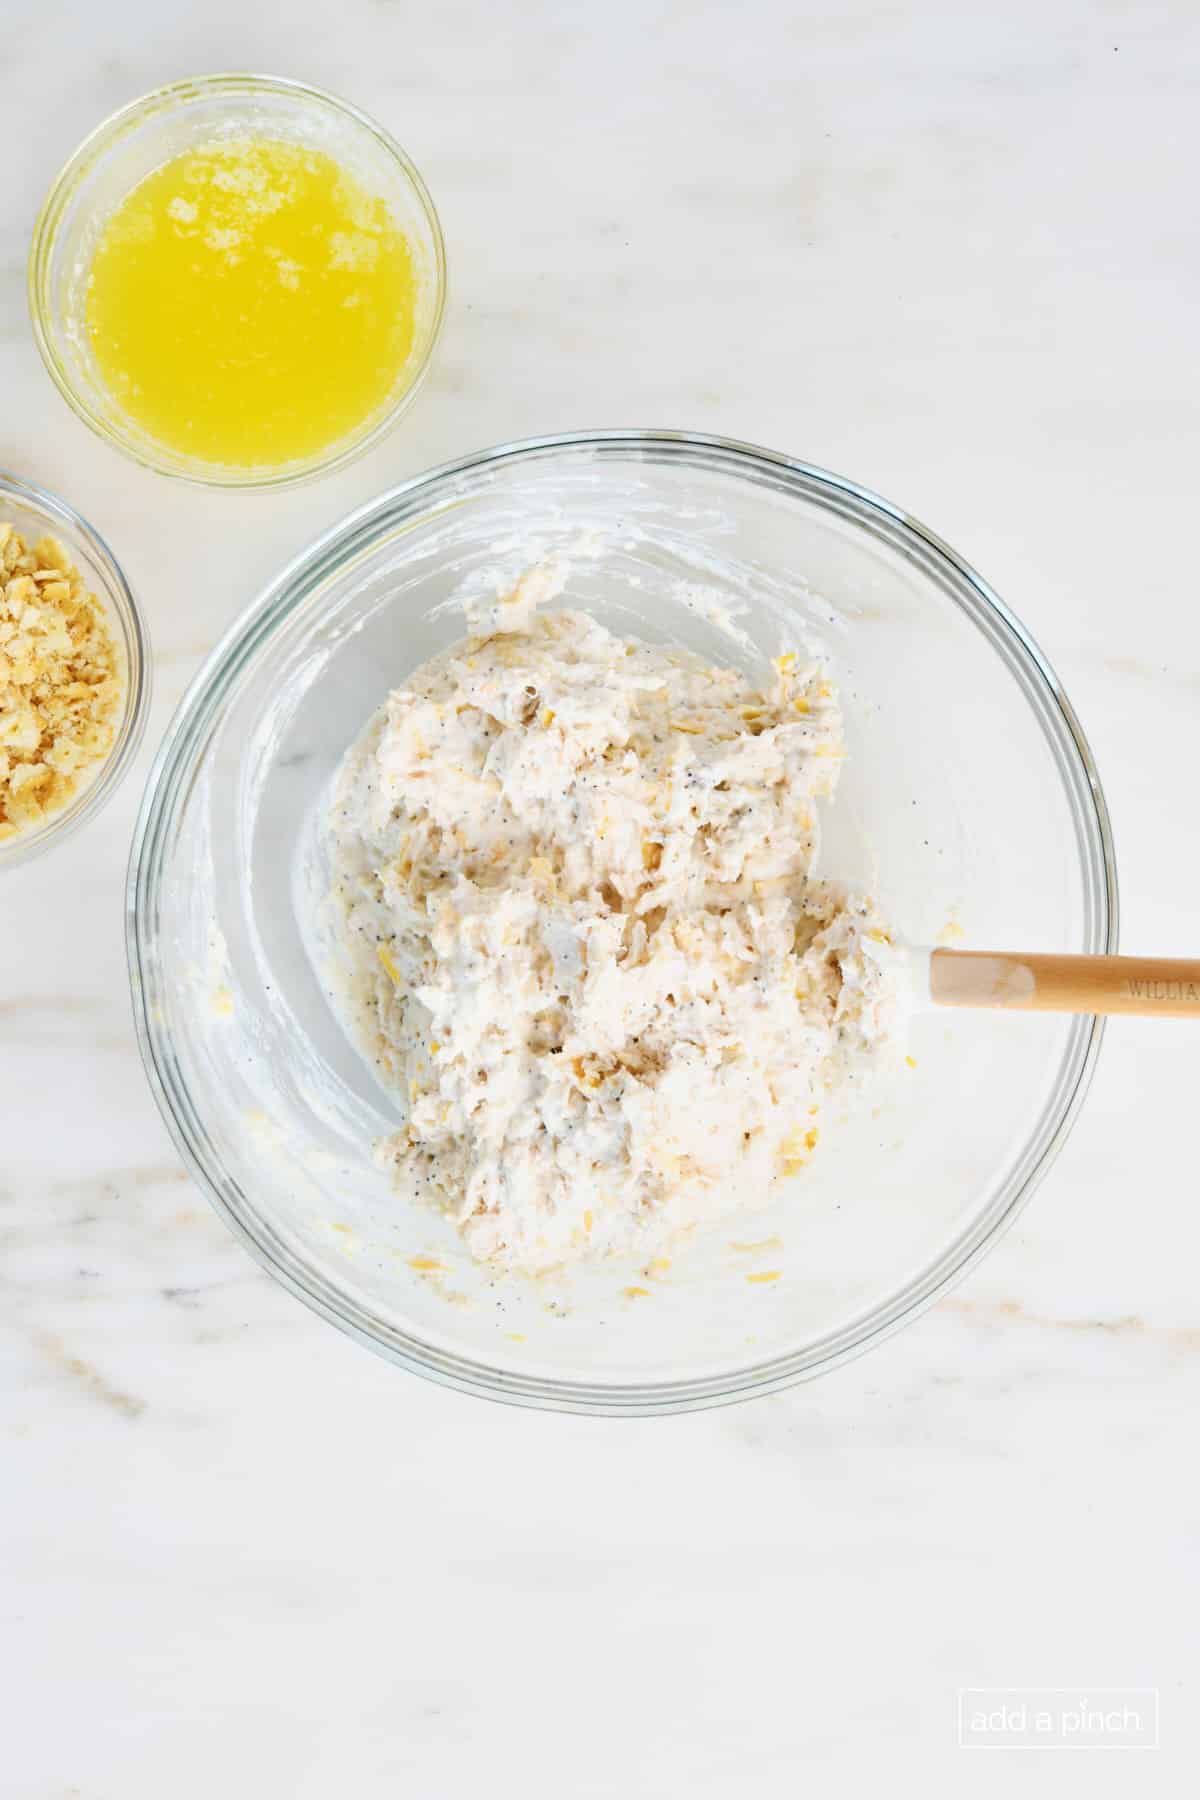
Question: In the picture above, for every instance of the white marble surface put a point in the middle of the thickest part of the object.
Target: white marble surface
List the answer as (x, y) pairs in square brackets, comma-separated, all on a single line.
[(947, 249)]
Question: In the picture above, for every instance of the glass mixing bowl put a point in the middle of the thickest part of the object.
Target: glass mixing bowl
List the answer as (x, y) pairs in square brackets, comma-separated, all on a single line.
[(968, 798), (141, 138)]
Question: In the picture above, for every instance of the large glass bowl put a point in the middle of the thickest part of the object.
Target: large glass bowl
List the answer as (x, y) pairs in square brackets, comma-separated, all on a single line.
[(968, 799), (149, 132)]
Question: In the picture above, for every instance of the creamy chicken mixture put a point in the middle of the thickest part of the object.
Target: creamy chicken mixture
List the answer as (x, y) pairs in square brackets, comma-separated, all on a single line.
[(573, 881)]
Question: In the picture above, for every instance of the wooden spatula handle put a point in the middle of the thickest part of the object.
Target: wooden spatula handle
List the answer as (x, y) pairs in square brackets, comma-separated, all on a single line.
[(1157, 985)]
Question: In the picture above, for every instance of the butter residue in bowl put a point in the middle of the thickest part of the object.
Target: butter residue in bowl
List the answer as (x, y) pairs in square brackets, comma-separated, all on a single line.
[(574, 889)]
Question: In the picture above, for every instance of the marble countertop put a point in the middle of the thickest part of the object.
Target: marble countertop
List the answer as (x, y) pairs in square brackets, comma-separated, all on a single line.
[(946, 250)]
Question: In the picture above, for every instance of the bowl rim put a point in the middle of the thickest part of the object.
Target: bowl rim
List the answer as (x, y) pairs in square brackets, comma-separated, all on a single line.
[(135, 635), (193, 721), (178, 466)]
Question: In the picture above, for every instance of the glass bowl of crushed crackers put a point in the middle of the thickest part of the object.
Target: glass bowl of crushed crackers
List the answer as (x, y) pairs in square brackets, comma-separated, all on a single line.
[(74, 671)]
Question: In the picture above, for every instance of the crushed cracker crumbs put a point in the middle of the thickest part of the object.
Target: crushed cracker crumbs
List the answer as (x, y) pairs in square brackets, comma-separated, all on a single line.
[(60, 685)]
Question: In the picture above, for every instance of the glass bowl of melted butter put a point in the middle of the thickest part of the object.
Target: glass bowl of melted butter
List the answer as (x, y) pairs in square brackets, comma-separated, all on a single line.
[(238, 280)]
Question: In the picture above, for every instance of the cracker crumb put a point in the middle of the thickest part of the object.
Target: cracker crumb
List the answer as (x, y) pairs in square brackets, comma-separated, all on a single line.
[(60, 686)]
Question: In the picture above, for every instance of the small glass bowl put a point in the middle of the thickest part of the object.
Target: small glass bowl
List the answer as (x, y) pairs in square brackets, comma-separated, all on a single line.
[(37, 514), (142, 137)]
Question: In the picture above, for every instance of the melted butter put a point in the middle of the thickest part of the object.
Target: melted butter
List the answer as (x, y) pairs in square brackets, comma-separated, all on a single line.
[(250, 303)]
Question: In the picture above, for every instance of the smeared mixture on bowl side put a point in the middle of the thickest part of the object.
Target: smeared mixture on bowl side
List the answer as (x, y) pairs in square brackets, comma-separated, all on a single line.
[(573, 881)]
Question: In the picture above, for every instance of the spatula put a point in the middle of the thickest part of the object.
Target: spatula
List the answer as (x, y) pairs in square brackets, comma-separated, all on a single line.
[(1154, 986)]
